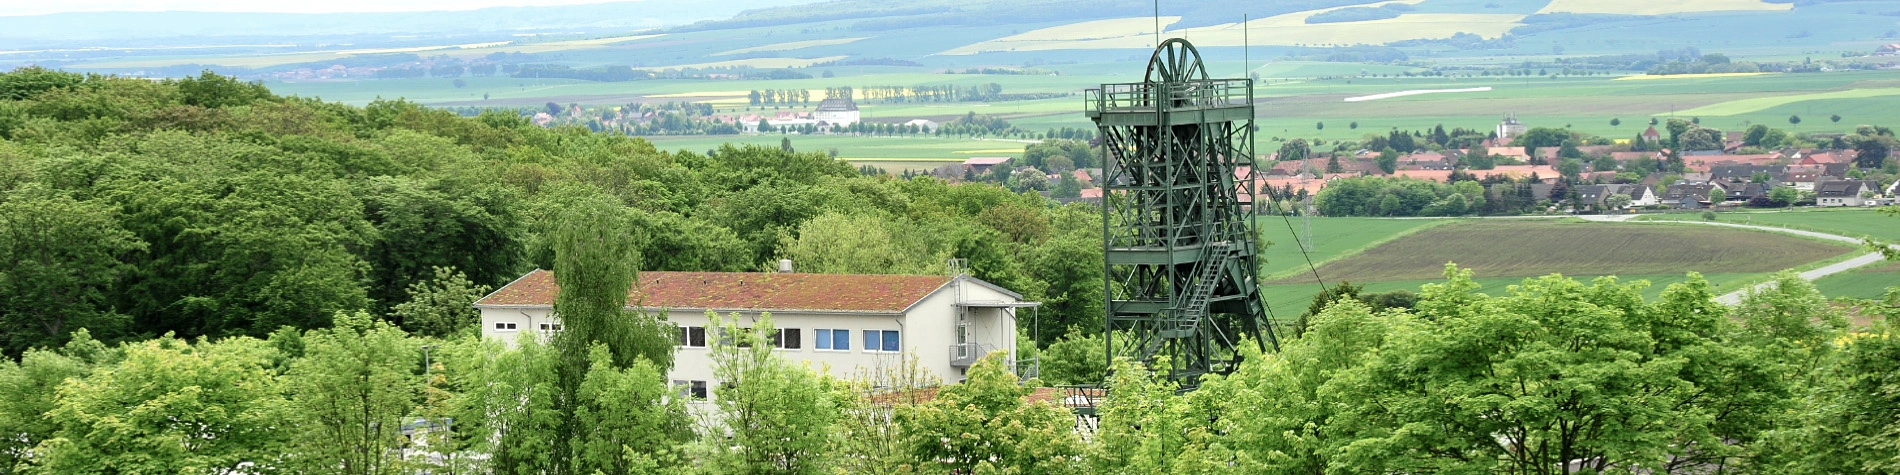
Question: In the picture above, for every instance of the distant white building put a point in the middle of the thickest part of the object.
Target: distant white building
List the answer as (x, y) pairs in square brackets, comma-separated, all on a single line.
[(853, 324), (928, 126), (1510, 127), (1842, 193), (837, 112)]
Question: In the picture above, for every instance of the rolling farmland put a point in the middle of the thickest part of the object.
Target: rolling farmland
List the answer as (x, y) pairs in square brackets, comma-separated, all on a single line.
[(1530, 248)]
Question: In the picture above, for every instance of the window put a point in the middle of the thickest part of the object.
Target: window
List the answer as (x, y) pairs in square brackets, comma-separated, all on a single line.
[(833, 339), (787, 339), (504, 326), (692, 337), (691, 389), (546, 327), (881, 340)]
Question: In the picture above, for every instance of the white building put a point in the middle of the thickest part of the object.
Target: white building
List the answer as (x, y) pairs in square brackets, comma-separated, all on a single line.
[(1509, 128), (837, 112), (858, 325), (1841, 193)]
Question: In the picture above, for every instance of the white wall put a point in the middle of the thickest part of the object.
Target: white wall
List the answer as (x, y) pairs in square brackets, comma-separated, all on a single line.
[(926, 332)]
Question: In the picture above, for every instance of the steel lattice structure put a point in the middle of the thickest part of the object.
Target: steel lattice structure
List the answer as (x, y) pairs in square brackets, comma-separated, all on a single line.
[(1179, 233)]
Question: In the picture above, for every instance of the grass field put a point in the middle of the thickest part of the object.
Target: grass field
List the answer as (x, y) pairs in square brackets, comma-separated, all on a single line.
[(1530, 248), (1845, 222), (1866, 282), (787, 46), (1332, 239)]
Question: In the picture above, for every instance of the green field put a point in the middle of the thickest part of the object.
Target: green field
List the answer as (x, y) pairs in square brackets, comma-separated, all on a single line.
[(1866, 282), (1845, 222), (1331, 239), (1530, 248), (1505, 252)]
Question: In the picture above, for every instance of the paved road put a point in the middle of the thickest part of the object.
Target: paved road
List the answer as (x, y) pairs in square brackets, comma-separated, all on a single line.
[(1735, 297)]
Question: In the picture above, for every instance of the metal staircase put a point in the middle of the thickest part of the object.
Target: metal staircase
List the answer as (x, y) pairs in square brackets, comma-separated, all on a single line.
[(1191, 313)]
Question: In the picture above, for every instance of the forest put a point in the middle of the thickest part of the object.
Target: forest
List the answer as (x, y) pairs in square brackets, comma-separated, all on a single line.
[(199, 276)]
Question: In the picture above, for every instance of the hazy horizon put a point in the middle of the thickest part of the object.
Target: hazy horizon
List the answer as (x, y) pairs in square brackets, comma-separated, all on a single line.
[(243, 6)]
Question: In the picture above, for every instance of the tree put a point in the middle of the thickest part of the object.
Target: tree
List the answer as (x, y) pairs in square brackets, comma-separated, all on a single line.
[(458, 83), (1676, 128), (1616, 201), (856, 244), (1564, 373), (1388, 160), (1700, 138), (348, 394), (595, 262), (1794, 119), (1836, 118), (58, 257), (1354, 125), (1067, 187), (1295, 149), (765, 126), (1319, 125), (1615, 122), (1872, 151), (1333, 166), (171, 407), (1605, 163), (778, 416), (442, 306), (982, 425), (28, 393), (1075, 359), (630, 420), (1752, 137)]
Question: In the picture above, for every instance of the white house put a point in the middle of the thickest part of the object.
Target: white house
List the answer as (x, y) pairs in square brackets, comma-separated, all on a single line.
[(837, 112), (858, 325), (926, 125), (1841, 193)]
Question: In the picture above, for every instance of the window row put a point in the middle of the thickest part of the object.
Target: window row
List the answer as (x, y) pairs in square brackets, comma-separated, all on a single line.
[(793, 339), (511, 326)]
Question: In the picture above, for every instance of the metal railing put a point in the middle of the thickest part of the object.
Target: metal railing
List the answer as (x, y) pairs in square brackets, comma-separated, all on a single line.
[(1133, 97), (966, 354)]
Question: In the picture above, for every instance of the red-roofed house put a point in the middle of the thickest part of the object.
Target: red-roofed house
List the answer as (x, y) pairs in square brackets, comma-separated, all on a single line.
[(846, 321)]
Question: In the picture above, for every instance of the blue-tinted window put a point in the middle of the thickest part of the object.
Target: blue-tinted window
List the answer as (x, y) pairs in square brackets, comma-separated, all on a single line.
[(833, 339), (882, 340)]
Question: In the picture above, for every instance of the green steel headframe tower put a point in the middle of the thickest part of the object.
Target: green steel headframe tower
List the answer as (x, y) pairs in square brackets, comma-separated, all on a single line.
[(1179, 229)]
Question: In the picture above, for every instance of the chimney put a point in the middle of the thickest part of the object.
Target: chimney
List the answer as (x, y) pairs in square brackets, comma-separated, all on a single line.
[(785, 266)]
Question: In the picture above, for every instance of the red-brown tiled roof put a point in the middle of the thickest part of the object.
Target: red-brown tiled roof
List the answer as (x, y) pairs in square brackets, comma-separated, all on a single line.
[(744, 291)]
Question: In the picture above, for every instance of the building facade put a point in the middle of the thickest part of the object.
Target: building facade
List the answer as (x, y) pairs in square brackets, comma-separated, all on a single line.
[(854, 325), (837, 112)]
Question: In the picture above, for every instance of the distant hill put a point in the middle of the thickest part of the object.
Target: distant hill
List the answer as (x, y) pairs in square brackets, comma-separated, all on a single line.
[(17, 31), (941, 34)]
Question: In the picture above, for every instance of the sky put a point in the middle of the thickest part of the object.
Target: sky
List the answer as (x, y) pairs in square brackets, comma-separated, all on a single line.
[(28, 7)]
